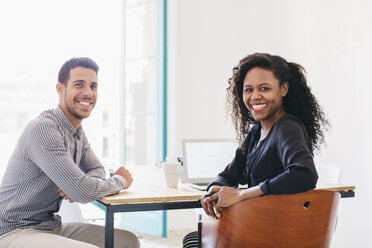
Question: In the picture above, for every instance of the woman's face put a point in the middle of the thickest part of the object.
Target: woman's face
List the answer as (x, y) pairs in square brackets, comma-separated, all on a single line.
[(263, 95)]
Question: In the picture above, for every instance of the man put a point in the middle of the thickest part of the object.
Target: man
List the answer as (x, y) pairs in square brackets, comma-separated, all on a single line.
[(53, 160)]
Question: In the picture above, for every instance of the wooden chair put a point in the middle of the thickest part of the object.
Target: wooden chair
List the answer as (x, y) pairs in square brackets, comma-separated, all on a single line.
[(277, 221), (329, 173), (70, 212)]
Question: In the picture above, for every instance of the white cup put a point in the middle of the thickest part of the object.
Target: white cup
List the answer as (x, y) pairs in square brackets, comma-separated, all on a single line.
[(172, 170)]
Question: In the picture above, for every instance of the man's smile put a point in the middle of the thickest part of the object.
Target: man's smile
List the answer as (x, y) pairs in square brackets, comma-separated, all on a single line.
[(85, 104)]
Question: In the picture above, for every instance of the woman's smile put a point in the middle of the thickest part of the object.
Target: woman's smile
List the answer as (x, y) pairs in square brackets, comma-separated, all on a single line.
[(258, 107)]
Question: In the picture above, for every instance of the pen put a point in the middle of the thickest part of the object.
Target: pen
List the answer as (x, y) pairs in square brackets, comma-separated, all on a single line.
[(209, 194), (180, 160)]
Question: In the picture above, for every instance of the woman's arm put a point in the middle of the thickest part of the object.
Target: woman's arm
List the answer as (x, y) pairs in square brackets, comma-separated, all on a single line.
[(232, 175), (293, 148)]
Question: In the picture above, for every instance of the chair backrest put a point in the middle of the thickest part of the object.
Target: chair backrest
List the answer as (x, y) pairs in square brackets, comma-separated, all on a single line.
[(329, 173), (70, 212), (277, 221)]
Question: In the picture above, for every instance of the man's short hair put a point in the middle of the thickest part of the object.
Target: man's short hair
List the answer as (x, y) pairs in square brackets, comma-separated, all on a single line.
[(64, 72)]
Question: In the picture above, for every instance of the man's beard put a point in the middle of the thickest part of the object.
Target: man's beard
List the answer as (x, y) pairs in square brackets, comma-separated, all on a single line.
[(72, 111)]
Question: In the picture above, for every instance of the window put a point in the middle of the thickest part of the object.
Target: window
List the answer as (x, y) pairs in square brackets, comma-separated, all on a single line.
[(144, 94), (125, 38), (39, 37), (144, 82)]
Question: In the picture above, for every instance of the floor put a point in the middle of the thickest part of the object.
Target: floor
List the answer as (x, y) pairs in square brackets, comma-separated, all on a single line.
[(174, 239), (94, 215)]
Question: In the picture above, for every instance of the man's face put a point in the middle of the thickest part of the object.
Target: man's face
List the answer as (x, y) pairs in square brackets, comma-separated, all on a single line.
[(78, 97)]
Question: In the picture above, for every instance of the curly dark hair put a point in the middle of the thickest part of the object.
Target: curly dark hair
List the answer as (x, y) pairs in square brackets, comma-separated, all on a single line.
[(299, 100)]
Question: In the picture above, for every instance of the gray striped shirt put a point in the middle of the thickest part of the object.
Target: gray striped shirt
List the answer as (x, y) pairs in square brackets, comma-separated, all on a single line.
[(49, 155)]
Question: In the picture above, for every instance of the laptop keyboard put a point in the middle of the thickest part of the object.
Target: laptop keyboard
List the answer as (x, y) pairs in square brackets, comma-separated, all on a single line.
[(201, 184)]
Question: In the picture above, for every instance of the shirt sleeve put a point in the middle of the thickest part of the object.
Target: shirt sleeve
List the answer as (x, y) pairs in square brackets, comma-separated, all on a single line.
[(299, 170), (89, 162), (91, 165), (232, 175), (47, 149)]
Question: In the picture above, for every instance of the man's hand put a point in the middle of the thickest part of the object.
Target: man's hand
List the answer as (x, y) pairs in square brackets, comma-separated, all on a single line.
[(124, 173), (61, 193)]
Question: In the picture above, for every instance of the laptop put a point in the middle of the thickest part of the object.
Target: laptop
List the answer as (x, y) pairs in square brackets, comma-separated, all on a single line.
[(204, 159)]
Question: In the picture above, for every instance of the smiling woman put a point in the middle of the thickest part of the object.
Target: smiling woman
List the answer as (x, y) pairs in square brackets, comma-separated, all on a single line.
[(274, 109), (293, 94), (279, 124)]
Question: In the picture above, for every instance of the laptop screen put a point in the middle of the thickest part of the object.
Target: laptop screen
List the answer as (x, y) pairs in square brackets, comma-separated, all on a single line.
[(205, 159)]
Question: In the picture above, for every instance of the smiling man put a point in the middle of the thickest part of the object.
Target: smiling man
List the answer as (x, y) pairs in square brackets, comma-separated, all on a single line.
[(53, 161)]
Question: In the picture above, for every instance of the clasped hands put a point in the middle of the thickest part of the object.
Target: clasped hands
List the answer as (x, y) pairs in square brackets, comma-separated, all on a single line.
[(219, 197), (120, 171)]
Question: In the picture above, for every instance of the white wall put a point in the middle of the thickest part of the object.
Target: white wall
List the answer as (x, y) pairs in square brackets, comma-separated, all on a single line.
[(331, 39), (203, 42)]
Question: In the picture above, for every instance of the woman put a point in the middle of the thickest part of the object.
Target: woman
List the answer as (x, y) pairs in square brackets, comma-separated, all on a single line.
[(279, 125)]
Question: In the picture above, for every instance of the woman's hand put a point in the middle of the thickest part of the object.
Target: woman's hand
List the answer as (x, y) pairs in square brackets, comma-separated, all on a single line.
[(208, 204), (228, 196), (219, 198), (223, 198)]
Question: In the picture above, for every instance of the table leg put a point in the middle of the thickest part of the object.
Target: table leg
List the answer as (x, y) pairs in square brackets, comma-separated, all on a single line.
[(347, 194), (109, 228)]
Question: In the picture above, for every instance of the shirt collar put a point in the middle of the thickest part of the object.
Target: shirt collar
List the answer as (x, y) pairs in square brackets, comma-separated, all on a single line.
[(67, 124)]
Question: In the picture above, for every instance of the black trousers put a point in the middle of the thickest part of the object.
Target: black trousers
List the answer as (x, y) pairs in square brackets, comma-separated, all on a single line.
[(191, 240)]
